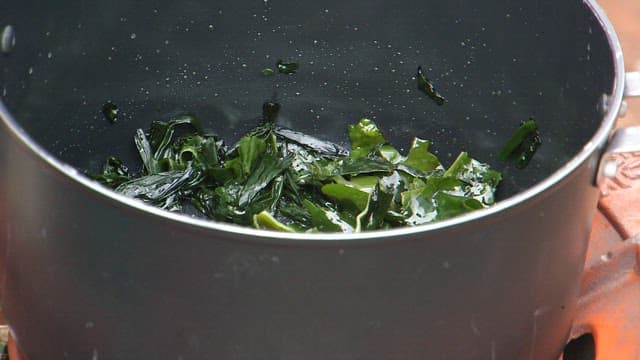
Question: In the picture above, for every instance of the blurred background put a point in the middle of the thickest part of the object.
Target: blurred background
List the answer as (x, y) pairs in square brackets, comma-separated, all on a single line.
[(625, 16)]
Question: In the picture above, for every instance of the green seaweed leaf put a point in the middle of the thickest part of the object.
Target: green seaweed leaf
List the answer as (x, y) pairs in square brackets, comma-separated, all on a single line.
[(326, 220), (365, 137), (419, 156), (425, 85), (522, 145), (347, 196), (264, 220), (279, 179), (113, 173)]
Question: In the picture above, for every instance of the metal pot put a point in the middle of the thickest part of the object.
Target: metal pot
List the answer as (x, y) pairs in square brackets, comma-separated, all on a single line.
[(89, 273)]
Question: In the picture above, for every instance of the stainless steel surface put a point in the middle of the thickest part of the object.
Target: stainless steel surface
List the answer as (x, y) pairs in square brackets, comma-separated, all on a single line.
[(632, 84)]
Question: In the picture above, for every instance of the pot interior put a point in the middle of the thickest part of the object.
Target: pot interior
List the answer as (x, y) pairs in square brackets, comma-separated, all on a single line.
[(497, 63)]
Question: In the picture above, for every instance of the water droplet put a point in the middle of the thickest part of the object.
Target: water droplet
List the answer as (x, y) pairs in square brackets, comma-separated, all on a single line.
[(49, 55), (30, 71), (133, 36), (7, 39)]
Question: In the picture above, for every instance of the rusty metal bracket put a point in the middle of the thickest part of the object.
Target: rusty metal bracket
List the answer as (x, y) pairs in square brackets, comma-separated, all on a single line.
[(608, 306)]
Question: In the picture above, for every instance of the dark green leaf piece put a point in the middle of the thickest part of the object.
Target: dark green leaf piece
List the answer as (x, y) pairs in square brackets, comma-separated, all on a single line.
[(113, 173), (161, 132), (347, 196), (530, 149), (425, 85), (250, 149), (522, 145), (287, 68), (270, 110), (110, 111), (159, 188), (279, 179), (373, 216), (350, 166), (326, 220), (267, 169)]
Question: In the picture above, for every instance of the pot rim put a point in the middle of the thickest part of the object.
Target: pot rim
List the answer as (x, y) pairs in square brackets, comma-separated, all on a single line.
[(595, 144)]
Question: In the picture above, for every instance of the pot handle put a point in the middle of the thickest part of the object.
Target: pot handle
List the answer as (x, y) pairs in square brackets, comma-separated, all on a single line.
[(620, 162), (632, 84)]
